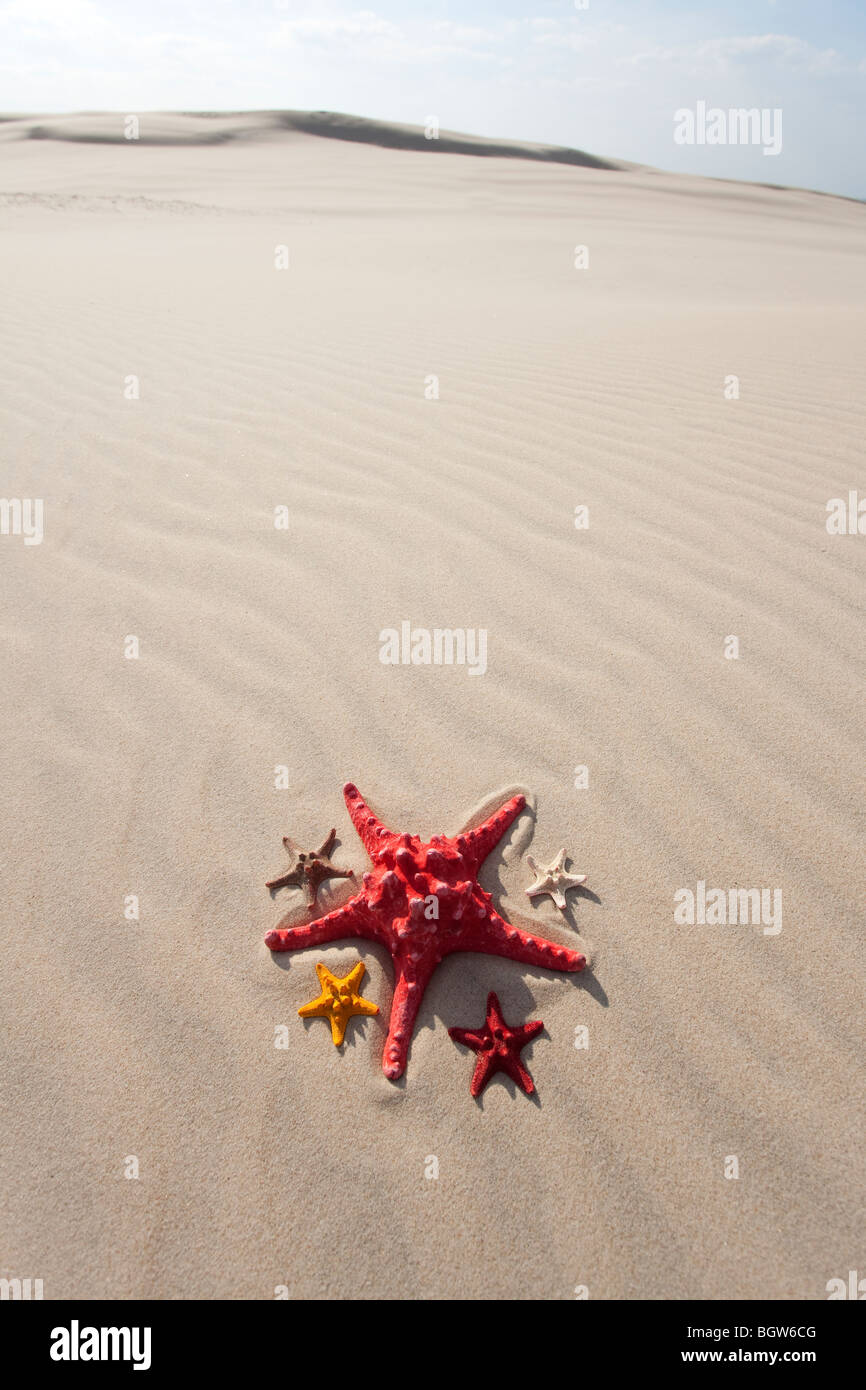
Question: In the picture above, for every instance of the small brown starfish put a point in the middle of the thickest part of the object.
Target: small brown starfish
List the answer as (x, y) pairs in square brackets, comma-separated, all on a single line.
[(309, 868)]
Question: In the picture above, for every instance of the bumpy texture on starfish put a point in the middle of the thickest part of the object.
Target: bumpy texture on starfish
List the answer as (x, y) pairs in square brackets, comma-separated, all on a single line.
[(339, 1000), (309, 868), (553, 880), (422, 902), (498, 1048)]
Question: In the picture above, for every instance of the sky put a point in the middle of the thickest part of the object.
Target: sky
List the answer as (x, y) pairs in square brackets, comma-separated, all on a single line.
[(606, 76)]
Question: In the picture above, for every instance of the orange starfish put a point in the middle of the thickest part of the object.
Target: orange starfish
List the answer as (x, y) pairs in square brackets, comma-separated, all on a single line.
[(339, 1000)]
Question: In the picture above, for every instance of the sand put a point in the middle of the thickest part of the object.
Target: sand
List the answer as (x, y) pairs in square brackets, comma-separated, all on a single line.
[(300, 1168)]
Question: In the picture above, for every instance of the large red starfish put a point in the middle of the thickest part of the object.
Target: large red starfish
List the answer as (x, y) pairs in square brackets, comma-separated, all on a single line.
[(423, 902)]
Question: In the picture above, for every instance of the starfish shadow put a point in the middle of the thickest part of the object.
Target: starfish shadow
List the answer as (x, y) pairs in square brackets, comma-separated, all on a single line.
[(356, 1031), (593, 986), (543, 925), (583, 892), (514, 1091)]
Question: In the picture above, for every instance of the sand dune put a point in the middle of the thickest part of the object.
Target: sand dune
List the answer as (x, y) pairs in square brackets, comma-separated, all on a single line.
[(218, 128), (307, 388)]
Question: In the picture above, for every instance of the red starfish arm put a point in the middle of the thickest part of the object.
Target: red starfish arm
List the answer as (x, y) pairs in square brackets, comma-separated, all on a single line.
[(518, 1073), (495, 937), (525, 1032), (469, 1037), (352, 919), (371, 830), (409, 986), (481, 1075), (481, 840)]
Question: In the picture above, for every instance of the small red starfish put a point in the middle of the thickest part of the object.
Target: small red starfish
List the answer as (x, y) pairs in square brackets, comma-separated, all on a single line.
[(422, 902), (498, 1048)]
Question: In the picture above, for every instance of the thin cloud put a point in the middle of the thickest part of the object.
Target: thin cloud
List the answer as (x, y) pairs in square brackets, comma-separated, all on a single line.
[(724, 55)]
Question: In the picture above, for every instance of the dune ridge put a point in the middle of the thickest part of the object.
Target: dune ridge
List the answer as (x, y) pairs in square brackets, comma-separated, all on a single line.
[(217, 128)]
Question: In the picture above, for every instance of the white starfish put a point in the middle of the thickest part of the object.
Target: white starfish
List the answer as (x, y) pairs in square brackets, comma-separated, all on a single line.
[(553, 880)]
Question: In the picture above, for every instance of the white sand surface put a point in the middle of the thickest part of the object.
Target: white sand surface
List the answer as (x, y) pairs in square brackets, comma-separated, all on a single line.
[(304, 388)]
